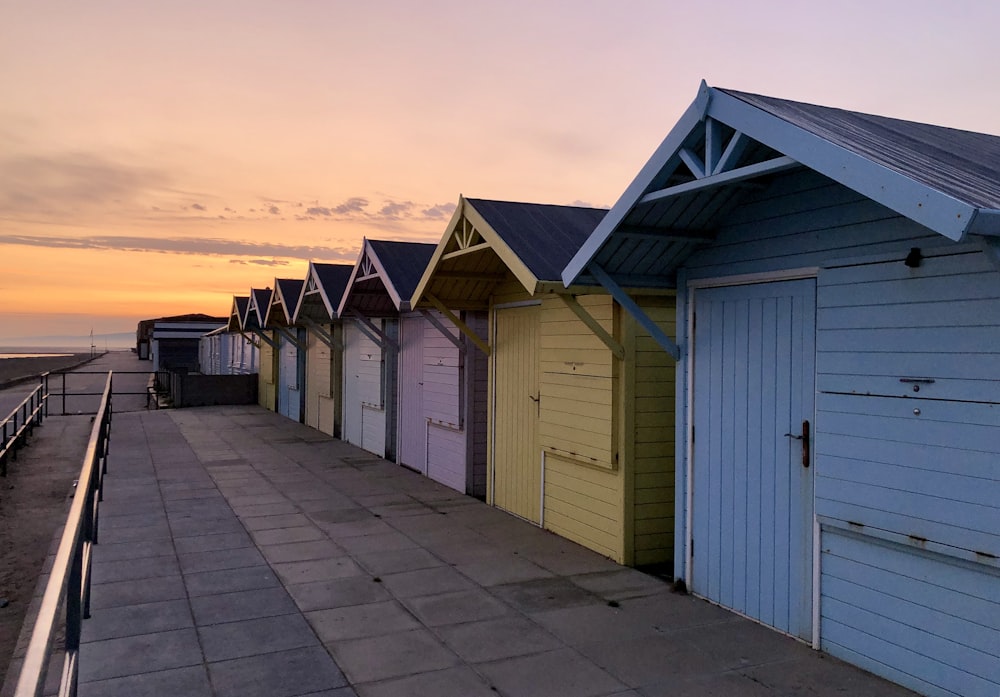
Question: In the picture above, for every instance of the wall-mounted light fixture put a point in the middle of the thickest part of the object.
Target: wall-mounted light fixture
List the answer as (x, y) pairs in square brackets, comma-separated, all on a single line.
[(913, 258)]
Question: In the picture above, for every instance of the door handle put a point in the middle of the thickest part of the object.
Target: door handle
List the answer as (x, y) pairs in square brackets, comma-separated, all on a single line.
[(538, 402), (805, 442)]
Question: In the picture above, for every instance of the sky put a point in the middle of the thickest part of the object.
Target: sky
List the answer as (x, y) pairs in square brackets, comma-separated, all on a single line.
[(157, 158)]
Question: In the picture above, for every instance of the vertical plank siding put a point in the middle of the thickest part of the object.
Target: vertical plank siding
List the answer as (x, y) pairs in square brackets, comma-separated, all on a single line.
[(412, 423), (516, 456), (288, 377), (266, 377), (320, 387), (352, 384)]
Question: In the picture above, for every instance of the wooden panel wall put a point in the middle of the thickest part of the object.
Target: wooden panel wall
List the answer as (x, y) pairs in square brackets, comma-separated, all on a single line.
[(443, 367), (577, 426), (478, 363), (802, 220), (319, 362), (920, 619), (921, 464), (266, 393), (649, 389)]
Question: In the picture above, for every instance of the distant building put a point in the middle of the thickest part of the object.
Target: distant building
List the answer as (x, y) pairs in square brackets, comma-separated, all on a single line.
[(172, 342)]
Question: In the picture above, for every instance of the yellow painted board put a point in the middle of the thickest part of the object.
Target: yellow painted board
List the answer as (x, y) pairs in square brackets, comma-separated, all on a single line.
[(586, 480)]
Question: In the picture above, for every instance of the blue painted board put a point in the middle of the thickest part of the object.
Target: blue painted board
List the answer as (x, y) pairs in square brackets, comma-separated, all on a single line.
[(752, 499)]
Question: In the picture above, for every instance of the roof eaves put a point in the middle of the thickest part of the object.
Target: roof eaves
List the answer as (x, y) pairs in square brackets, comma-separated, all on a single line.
[(387, 280), (350, 282), (691, 117), (431, 267)]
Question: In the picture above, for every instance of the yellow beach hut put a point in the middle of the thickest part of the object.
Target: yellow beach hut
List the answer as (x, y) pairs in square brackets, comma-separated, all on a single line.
[(254, 323), (580, 407)]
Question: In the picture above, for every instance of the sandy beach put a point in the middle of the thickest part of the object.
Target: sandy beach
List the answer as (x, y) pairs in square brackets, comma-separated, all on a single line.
[(14, 370)]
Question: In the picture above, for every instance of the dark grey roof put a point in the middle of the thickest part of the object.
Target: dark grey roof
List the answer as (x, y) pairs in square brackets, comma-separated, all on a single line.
[(290, 288), (241, 305), (543, 236), (962, 164), (404, 263), (334, 279)]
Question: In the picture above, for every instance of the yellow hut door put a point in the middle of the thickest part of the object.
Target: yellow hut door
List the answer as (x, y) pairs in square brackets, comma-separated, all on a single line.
[(517, 473)]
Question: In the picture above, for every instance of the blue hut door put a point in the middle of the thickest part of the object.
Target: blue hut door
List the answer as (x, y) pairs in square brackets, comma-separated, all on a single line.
[(752, 508)]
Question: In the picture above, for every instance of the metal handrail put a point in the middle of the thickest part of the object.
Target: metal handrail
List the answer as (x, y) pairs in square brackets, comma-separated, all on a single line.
[(69, 582), (59, 392), (21, 422)]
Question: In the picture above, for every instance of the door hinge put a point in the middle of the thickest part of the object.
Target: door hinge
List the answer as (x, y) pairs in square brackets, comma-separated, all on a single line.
[(692, 546)]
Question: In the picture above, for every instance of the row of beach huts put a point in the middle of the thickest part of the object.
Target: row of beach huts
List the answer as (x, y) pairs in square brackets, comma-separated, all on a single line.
[(771, 369)]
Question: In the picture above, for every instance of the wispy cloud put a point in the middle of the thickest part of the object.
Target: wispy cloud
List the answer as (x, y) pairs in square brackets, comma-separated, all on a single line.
[(439, 211), (67, 182), (357, 204), (213, 246)]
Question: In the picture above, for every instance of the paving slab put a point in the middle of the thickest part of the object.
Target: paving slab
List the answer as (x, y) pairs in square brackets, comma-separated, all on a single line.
[(249, 555)]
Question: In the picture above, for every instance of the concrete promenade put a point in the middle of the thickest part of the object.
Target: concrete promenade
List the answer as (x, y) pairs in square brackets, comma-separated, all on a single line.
[(242, 554)]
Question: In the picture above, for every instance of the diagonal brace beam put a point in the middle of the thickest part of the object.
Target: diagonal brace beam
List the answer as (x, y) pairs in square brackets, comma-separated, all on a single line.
[(778, 164), (633, 309), (462, 326), (600, 332), (266, 339), (292, 338), (459, 344), (322, 334), (369, 329)]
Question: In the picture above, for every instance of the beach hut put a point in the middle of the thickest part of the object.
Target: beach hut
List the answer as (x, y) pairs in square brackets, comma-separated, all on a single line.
[(838, 279), (568, 448), (379, 290), (239, 352), (211, 348), (267, 346), (290, 340), (175, 342), (316, 310)]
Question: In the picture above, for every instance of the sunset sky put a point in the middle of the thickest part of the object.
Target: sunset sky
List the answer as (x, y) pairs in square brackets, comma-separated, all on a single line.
[(158, 157)]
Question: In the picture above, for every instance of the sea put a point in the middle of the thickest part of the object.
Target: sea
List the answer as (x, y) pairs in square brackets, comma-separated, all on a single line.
[(43, 351)]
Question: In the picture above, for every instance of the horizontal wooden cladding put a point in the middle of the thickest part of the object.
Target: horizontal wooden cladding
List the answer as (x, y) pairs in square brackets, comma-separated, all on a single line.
[(938, 325), (652, 437), (920, 619), (446, 455), (326, 413), (803, 219), (930, 476), (583, 504)]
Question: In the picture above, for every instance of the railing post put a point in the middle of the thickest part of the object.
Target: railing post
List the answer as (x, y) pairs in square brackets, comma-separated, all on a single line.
[(64, 394), (15, 441)]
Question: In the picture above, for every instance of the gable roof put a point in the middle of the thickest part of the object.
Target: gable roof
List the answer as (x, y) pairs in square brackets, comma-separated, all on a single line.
[(260, 301), (322, 291), (944, 179), (238, 313), (485, 239), (281, 309), (384, 277)]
